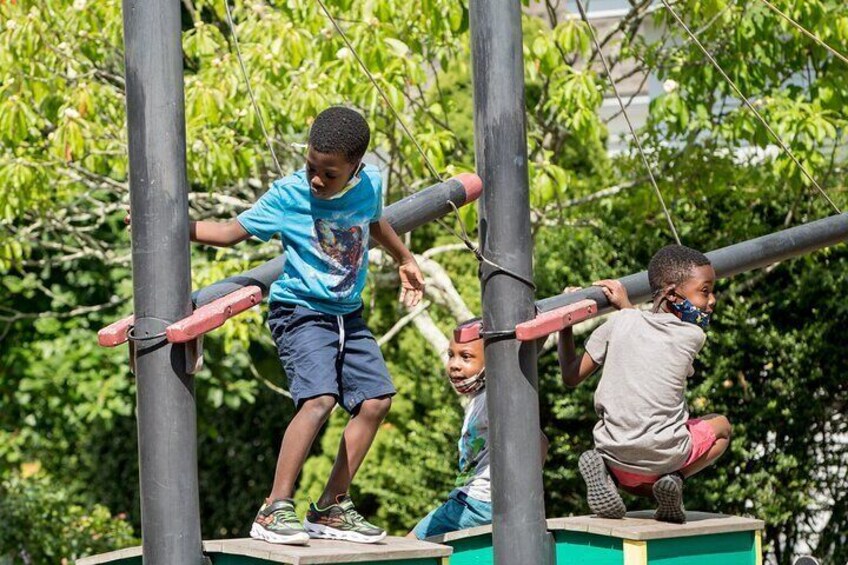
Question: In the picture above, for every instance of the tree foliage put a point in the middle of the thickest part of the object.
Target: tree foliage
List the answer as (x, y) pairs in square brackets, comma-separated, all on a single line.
[(774, 358)]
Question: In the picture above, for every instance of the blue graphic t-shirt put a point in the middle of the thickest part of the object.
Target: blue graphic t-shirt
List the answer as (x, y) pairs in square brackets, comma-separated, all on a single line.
[(325, 241)]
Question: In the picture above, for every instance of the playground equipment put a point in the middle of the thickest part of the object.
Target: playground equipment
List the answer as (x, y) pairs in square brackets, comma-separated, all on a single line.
[(165, 331), (228, 297), (565, 310), (638, 539), (705, 539), (395, 551)]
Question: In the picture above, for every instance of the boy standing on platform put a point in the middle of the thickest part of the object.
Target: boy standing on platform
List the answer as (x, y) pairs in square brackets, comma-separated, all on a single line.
[(324, 214), (644, 434)]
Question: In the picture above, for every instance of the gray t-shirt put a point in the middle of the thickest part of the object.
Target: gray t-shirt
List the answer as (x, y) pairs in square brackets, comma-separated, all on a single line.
[(640, 399)]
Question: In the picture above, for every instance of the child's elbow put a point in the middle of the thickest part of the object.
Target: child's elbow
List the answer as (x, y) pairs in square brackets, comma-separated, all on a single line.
[(570, 381)]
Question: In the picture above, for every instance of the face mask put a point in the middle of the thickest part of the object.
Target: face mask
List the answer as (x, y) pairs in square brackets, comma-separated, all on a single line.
[(691, 313), (471, 384)]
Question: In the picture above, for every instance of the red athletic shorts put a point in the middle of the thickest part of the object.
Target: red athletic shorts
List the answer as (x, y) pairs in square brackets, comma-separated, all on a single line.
[(703, 439)]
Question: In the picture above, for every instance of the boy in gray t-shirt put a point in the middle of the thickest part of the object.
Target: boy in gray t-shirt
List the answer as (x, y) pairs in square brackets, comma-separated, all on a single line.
[(644, 434)]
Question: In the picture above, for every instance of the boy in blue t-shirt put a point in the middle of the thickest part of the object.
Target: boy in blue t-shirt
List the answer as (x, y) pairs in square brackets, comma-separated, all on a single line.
[(325, 215)]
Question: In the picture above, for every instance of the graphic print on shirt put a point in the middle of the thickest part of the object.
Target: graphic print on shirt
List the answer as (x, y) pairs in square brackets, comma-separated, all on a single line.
[(344, 248), (471, 445)]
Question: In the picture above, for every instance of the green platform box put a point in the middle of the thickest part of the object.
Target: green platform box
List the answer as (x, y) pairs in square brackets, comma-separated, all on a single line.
[(638, 539)]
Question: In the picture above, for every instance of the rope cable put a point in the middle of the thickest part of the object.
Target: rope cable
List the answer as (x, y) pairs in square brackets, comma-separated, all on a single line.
[(806, 32), (600, 52), (463, 235), (250, 89), (385, 97), (750, 106)]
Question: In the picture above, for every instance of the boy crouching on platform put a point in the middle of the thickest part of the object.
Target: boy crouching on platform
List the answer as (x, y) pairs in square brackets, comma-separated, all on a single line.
[(644, 435)]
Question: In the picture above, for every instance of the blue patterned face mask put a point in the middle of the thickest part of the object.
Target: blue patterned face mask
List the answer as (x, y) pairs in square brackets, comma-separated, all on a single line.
[(691, 313)]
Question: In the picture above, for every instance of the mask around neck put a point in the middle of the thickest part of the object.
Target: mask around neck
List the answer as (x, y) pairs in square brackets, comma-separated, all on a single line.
[(471, 384), (351, 184)]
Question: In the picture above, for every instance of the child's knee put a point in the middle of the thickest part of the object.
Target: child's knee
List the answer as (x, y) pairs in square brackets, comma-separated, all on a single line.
[(721, 426), (375, 408), (319, 407)]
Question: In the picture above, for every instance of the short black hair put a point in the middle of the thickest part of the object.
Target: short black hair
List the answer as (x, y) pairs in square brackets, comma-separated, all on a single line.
[(340, 131), (672, 265)]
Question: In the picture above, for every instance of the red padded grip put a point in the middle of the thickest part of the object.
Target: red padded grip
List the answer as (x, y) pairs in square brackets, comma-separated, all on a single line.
[(115, 333), (470, 331), (213, 315), (556, 320)]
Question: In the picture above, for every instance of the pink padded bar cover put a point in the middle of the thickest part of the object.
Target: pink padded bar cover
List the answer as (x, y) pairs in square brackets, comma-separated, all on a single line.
[(213, 315), (556, 320), (115, 333)]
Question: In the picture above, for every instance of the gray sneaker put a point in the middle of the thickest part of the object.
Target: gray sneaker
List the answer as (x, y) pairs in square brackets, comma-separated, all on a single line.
[(341, 521), (668, 490), (277, 522), (602, 494)]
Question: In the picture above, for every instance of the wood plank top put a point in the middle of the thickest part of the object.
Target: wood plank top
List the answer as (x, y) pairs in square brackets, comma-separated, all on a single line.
[(318, 552), (642, 526), (461, 534), (635, 526)]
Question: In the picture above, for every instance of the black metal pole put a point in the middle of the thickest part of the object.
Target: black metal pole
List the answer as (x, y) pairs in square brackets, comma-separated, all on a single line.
[(167, 443), (727, 261), (519, 530)]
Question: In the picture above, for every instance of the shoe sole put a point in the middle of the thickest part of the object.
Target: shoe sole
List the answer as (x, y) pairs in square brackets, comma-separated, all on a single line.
[(602, 496), (319, 531), (260, 533), (669, 495)]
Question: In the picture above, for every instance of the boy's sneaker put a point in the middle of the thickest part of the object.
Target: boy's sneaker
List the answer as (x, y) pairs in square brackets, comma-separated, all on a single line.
[(602, 494), (668, 490), (341, 521), (277, 522)]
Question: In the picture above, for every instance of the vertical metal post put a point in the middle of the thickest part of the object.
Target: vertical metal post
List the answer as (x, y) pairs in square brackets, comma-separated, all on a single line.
[(170, 507), (500, 138)]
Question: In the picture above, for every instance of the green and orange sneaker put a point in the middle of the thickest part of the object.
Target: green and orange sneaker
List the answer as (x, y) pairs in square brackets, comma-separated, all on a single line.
[(277, 522), (341, 521)]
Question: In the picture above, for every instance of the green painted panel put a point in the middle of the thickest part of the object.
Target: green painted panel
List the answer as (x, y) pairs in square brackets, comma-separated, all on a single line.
[(728, 549), (573, 548), (472, 551), (226, 559)]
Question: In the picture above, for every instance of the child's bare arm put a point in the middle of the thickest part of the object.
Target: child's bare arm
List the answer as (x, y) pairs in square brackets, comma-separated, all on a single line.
[(574, 369), (411, 279), (545, 445), (219, 234)]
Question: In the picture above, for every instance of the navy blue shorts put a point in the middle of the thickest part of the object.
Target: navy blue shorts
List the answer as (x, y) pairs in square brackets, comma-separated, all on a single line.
[(324, 354)]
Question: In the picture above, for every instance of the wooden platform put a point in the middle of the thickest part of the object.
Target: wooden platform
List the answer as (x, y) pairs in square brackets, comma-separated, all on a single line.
[(637, 539), (392, 551), (642, 526)]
